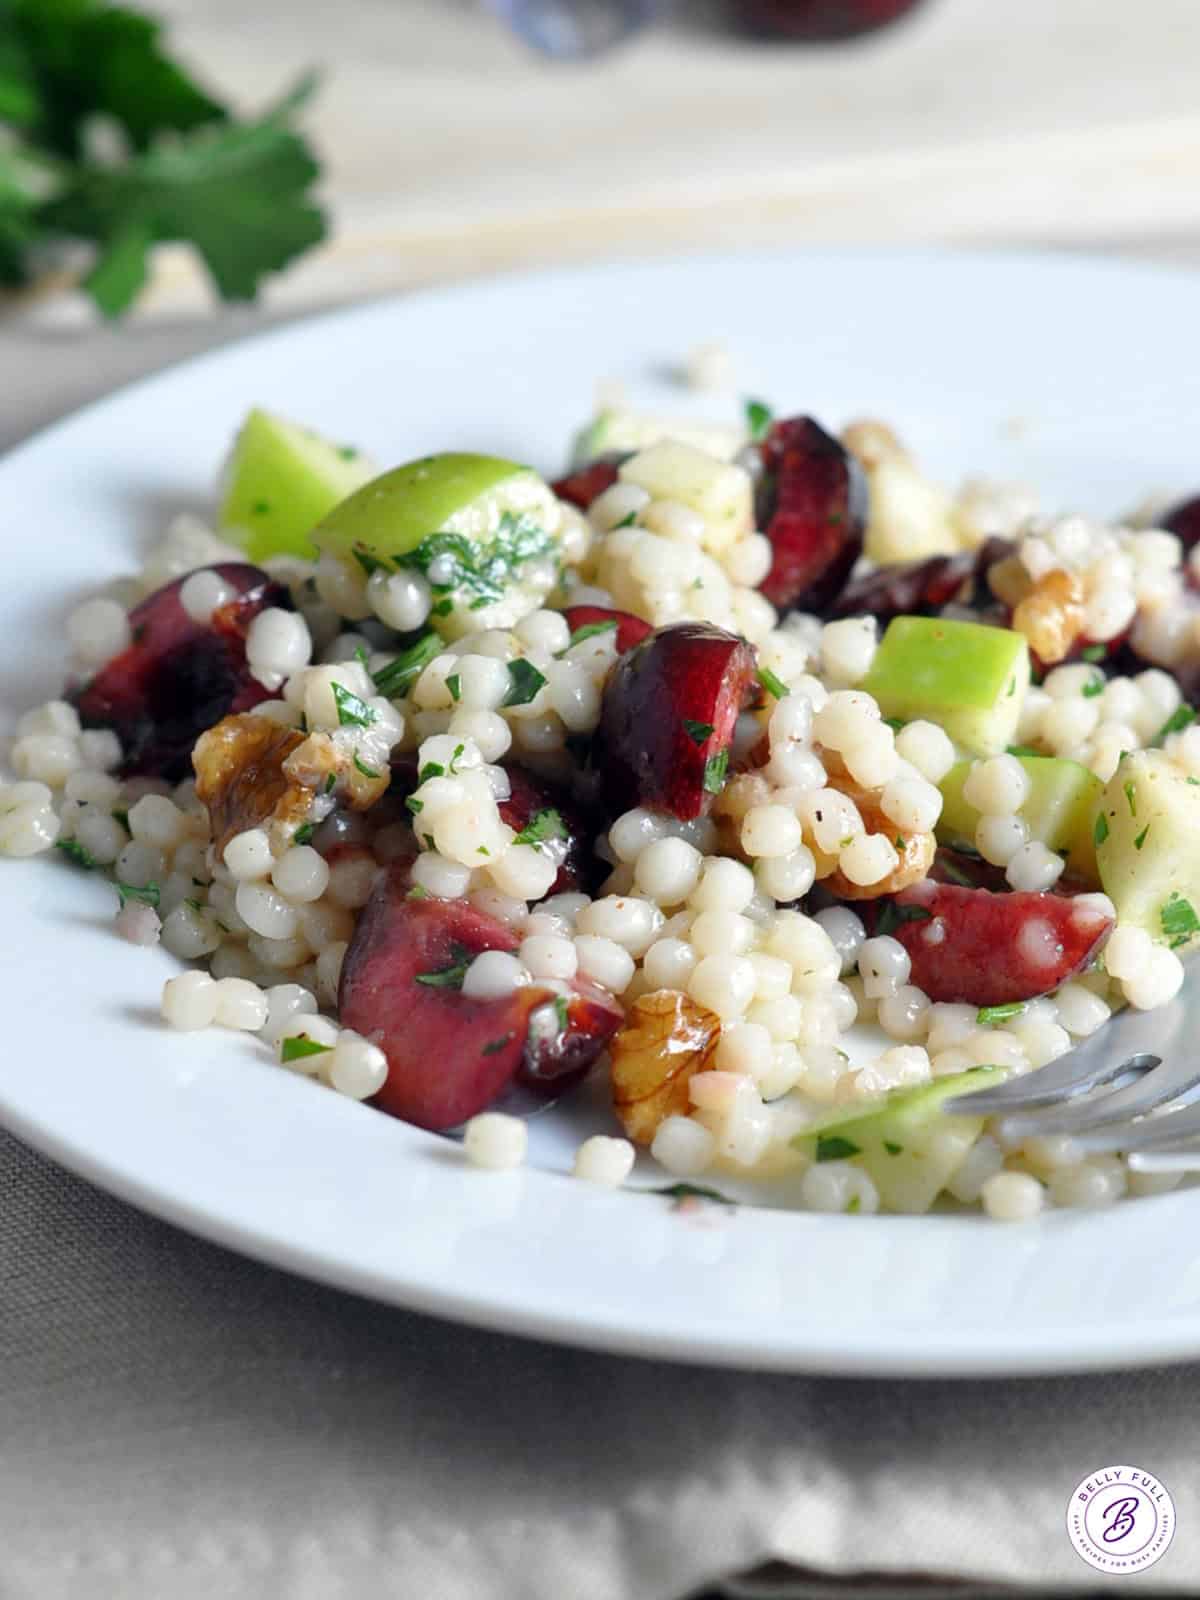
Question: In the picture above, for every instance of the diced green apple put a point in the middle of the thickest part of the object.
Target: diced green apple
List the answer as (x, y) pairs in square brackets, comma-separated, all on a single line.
[(911, 517), (968, 678), (494, 524), (1148, 846), (281, 479), (1060, 810), (618, 431), (906, 1144), (718, 491)]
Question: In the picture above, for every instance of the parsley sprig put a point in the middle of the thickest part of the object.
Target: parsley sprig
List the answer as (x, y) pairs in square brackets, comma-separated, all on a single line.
[(185, 171)]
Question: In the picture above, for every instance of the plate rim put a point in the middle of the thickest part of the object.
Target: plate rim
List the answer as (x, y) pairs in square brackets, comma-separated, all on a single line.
[(1167, 1339)]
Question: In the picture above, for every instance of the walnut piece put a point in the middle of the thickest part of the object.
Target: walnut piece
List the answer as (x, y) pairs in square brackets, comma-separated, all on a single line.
[(916, 852), (1051, 615), (665, 1041), (240, 776)]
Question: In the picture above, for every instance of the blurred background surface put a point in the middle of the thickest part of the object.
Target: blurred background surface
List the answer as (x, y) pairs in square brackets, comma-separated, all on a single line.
[(450, 147)]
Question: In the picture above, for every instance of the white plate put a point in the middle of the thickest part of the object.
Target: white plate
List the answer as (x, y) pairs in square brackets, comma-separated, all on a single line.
[(1083, 377)]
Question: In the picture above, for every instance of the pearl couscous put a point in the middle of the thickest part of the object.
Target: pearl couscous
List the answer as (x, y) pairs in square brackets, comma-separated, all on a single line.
[(699, 769)]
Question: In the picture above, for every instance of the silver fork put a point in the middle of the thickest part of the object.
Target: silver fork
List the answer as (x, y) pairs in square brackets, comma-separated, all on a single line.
[(1133, 1087)]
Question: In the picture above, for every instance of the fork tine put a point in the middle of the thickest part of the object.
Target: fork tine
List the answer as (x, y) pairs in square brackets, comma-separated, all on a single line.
[(1161, 1130), (1171, 1158), (1072, 1075), (1156, 1085)]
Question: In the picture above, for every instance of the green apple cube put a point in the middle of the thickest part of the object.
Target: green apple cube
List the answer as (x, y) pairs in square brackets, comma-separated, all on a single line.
[(907, 1146), (1148, 846), (717, 490), (968, 678), (1060, 810), (482, 530), (616, 431), (281, 479)]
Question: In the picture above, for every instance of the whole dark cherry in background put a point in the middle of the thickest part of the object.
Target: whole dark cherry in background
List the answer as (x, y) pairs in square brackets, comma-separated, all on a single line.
[(820, 19)]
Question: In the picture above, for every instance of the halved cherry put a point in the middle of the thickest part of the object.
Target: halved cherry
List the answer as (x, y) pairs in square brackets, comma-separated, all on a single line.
[(588, 483), (667, 719), (990, 949), (450, 1055), (630, 630), (821, 19), (179, 677), (813, 505), (922, 588)]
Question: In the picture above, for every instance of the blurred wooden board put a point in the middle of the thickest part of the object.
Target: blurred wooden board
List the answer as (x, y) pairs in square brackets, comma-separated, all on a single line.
[(450, 149)]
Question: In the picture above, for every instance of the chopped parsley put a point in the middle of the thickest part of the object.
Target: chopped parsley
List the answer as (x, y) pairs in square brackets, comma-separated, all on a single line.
[(1022, 750), (1131, 798), (1179, 920), (74, 851), (304, 833), (524, 682), (369, 563), (431, 769), (449, 977), (590, 630), (698, 732), (495, 1047), (351, 711), (300, 1046), (680, 1192), (361, 766), (1094, 652), (330, 782), (561, 1012), (629, 521), (892, 916), (454, 684), (414, 805), (145, 894), (122, 816), (1100, 831), (417, 893), (987, 1015), (715, 769), (1141, 838), (478, 570), (759, 417), (772, 683), (891, 1148), (854, 1204), (1094, 687), (834, 1147), (347, 452), (542, 826), (1182, 717), (398, 677)]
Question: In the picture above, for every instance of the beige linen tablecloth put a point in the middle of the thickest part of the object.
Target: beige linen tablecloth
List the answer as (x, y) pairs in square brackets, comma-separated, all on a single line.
[(176, 1421)]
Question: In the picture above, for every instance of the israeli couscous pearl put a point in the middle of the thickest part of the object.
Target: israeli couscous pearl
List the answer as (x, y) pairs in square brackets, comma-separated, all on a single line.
[(265, 910), (998, 786), (1011, 1196), (300, 874), (495, 1142), (494, 975), (683, 1146), (189, 1002), (606, 962), (247, 856), (604, 1160), (97, 631), (356, 1068), (240, 1004), (928, 748), (286, 1004), (884, 965), (549, 957), (1033, 868), (668, 870)]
